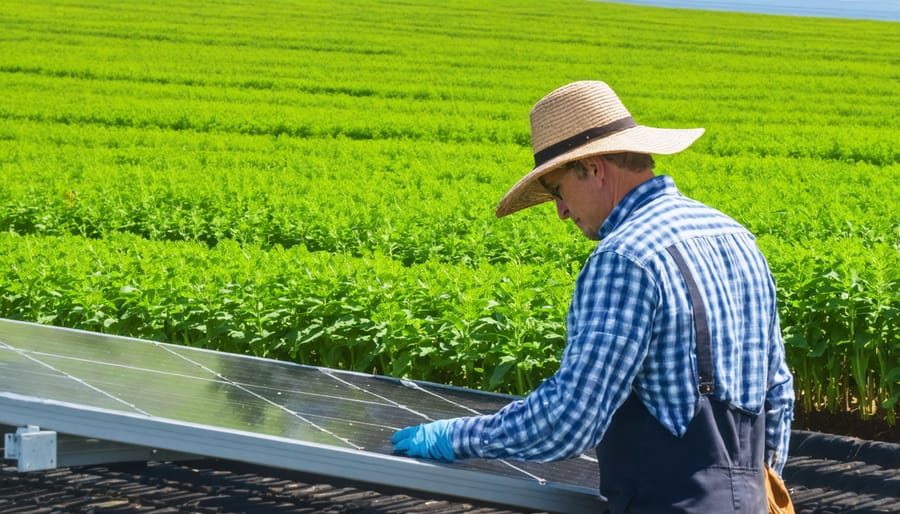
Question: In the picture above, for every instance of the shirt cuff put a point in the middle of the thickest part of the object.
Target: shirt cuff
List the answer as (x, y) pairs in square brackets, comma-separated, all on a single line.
[(469, 439)]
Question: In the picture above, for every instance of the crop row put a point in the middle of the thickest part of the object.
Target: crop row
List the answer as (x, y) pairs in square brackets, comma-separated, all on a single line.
[(411, 201), (496, 327)]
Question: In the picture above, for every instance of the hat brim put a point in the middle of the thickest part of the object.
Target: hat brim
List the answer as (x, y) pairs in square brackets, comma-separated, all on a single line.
[(528, 191)]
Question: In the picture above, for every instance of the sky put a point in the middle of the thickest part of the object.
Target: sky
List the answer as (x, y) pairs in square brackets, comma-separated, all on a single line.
[(854, 9)]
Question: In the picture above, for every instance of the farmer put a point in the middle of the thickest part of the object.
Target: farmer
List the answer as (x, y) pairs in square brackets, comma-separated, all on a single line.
[(674, 365)]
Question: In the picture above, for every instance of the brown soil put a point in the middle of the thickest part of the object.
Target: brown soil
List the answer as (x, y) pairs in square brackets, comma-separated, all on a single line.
[(846, 423)]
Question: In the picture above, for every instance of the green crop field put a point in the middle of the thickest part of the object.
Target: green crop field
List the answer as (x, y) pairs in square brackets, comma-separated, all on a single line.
[(316, 181)]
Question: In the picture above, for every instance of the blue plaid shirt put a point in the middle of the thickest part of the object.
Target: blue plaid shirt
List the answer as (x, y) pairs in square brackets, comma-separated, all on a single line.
[(627, 326)]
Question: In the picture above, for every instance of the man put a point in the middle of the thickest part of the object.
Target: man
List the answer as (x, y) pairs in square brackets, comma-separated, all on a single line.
[(674, 364)]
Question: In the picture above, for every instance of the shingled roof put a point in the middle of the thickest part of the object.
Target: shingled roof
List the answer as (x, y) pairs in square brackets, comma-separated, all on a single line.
[(827, 475)]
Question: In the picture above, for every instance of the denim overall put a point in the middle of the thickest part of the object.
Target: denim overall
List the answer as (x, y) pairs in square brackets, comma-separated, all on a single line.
[(715, 467)]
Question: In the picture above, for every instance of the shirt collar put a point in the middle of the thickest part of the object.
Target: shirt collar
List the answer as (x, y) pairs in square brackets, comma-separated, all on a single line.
[(635, 199)]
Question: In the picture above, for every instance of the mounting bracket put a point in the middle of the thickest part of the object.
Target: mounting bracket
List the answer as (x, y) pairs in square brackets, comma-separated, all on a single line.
[(33, 449)]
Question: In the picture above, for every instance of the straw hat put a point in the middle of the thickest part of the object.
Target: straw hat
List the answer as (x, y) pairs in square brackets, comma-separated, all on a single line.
[(579, 120)]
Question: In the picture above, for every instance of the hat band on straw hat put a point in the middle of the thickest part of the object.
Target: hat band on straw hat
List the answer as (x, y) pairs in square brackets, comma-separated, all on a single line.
[(557, 149)]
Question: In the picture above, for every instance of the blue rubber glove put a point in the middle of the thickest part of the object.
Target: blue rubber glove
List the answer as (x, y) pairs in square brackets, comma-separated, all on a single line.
[(428, 440)]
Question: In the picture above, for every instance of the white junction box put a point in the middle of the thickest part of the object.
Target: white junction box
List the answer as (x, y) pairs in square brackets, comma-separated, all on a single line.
[(33, 449)]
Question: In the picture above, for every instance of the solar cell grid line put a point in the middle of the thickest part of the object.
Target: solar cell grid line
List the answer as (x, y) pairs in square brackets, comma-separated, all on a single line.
[(239, 407)]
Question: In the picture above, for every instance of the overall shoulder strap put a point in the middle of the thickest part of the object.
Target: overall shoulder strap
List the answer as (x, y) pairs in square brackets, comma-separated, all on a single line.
[(704, 343)]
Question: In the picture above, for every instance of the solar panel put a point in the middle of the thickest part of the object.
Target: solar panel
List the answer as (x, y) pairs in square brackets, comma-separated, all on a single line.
[(305, 418)]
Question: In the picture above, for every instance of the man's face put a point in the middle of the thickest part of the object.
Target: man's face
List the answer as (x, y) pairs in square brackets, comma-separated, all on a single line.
[(581, 198)]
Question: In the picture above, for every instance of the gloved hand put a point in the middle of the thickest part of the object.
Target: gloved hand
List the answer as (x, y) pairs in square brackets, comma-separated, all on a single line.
[(428, 440)]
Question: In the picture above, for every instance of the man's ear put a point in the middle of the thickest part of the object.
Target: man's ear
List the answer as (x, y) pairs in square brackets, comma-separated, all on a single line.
[(597, 166)]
